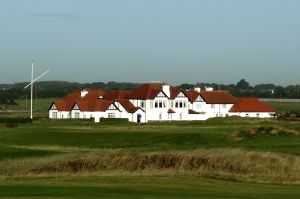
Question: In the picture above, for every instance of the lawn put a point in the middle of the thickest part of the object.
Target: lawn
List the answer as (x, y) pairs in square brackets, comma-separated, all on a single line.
[(116, 159), (140, 187), (285, 106)]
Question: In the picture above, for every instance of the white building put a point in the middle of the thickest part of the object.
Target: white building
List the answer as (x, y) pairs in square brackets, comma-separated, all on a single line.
[(156, 102)]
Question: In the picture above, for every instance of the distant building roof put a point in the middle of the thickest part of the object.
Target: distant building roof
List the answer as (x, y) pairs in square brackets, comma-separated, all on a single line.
[(251, 105), (218, 97)]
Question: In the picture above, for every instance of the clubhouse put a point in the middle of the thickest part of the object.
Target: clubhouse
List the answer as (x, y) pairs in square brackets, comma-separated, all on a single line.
[(156, 102)]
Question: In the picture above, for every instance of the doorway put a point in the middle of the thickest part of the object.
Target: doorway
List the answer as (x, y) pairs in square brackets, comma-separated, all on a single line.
[(139, 118)]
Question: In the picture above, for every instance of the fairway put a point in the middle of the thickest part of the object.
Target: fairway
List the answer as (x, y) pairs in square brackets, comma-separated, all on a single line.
[(115, 159), (140, 187)]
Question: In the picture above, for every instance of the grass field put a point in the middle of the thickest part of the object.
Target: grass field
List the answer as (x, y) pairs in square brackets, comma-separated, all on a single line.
[(285, 106), (139, 187), (220, 158)]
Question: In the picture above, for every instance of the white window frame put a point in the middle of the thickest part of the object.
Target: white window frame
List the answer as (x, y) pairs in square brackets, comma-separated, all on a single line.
[(76, 115), (54, 115), (111, 115)]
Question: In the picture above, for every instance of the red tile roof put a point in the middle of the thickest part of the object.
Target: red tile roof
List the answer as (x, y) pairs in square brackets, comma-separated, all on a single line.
[(146, 91), (69, 101), (116, 94), (218, 97), (102, 105), (251, 107), (93, 105), (248, 99), (60, 105), (174, 92), (192, 95), (128, 106)]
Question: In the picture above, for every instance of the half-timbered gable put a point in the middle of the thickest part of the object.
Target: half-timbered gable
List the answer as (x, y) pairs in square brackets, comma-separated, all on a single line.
[(155, 101)]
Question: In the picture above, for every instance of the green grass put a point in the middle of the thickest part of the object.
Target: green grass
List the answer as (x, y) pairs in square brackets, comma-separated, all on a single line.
[(140, 187), (7, 152), (163, 136), (22, 108), (285, 106), (54, 143)]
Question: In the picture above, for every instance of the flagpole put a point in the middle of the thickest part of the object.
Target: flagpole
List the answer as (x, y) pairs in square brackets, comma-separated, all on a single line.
[(31, 93)]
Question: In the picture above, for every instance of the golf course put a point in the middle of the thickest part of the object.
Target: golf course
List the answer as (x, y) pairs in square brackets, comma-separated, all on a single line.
[(218, 158)]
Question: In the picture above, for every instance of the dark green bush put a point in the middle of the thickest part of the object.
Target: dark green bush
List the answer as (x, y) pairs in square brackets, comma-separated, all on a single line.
[(19, 120)]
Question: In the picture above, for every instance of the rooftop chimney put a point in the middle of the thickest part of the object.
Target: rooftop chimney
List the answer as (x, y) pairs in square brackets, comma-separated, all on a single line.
[(198, 89), (83, 93)]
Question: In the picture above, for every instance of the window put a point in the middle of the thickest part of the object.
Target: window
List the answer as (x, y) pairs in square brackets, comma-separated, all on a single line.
[(54, 115), (111, 115), (180, 104), (184, 104), (176, 104), (160, 116), (77, 115), (156, 104), (223, 105), (212, 105), (164, 104), (142, 104), (160, 104)]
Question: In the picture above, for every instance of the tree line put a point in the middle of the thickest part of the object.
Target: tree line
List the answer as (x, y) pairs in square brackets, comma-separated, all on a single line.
[(58, 89)]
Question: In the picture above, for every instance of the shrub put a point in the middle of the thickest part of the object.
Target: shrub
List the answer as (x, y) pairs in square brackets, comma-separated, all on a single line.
[(19, 120), (266, 131)]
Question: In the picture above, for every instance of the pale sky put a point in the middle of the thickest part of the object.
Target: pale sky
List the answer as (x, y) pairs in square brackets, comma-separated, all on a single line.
[(175, 41)]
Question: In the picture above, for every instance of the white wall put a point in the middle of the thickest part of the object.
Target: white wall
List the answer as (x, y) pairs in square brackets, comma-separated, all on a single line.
[(253, 114), (60, 114)]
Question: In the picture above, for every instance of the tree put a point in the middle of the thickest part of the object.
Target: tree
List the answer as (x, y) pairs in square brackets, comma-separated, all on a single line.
[(243, 84)]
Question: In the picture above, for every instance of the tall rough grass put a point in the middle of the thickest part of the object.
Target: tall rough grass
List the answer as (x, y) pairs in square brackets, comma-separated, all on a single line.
[(215, 163), (259, 131)]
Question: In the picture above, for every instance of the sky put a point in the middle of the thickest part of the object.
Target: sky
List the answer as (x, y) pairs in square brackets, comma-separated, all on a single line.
[(174, 41)]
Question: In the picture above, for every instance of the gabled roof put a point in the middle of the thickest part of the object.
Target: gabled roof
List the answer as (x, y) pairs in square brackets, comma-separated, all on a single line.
[(102, 105), (60, 105), (146, 91), (69, 101), (128, 106), (93, 105), (218, 97), (174, 92), (192, 95)]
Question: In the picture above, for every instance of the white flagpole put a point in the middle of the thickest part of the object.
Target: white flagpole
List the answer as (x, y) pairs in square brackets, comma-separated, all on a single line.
[(31, 93), (31, 86)]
